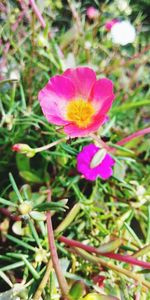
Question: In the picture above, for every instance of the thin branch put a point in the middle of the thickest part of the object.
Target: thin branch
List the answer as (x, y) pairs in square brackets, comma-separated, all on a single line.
[(37, 13), (133, 136), (61, 279), (46, 147), (100, 142), (107, 264), (125, 258), (43, 282)]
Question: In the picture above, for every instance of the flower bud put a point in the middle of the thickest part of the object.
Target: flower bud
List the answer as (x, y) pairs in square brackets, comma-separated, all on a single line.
[(42, 41), (109, 24), (41, 256), (24, 149), (25, 207), (92, 13)]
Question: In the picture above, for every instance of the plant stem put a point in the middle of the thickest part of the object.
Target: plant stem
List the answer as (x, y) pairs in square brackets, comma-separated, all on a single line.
[(8, 214), (46, 147), (43, 283), (124, 258), (100, 142), (144, 251), (75, 16), (133, 136), (115, 268), (123, 141), (62, 281), (37, 12)]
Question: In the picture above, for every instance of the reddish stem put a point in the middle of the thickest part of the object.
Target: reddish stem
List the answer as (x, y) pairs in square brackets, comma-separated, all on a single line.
[(61, 279), (19, 19), (124, 258), (133, 136), (37, 12), (7, 213), (137, 55)]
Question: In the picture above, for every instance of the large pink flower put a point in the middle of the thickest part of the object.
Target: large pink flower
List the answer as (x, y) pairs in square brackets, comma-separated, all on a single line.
[(77, 101)]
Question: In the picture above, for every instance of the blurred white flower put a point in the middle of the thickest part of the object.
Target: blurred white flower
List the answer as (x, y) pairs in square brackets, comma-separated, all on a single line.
[(87, 45), (123, 33), (122, 4), (70, 61), (14, 74)]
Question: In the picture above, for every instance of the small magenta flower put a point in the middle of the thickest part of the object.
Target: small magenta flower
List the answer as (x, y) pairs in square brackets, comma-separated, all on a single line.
[(94, 162), (77, 101), (109, 24), (92, 13)]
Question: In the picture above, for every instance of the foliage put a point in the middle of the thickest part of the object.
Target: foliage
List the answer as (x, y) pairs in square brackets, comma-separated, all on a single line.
[(117, 209)]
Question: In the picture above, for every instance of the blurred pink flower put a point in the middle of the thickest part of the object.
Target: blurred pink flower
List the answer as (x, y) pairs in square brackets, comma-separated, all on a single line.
[(92, 13), (109, 24), (77, 101), (102, 168), (99, 280)]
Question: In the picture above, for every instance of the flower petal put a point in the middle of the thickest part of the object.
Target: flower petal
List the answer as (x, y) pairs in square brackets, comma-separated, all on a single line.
[(54, 98), (102, 95), (104, 169), (74, 131), (83, 79)]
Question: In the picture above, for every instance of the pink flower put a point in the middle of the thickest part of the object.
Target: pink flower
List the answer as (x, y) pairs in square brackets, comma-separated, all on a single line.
[(77, 101), (92, 13), (94, 162), (109, 24), (99, 280)]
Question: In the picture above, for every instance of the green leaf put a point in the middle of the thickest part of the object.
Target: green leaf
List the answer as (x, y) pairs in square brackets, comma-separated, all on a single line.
[(23, 162), (38, 216), (15, 188), (30, 177), (77, 290), (59, 206), (110, 246), (95, 296)]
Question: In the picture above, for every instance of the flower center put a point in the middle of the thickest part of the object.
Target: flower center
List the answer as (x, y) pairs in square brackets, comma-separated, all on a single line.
[(80, 112)]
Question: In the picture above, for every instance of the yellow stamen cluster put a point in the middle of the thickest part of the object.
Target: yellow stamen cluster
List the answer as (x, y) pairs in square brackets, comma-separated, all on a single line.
[(80, 112)]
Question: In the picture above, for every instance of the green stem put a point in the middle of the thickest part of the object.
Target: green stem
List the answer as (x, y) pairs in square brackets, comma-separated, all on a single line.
[(145, 250), (34, 233), (46, 147), (43, 283)]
